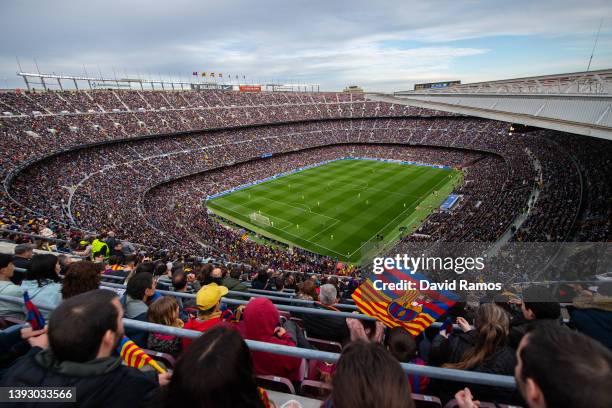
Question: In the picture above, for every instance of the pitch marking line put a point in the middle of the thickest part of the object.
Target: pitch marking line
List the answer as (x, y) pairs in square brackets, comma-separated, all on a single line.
[(324, 229), (357, 187), (299, 208), (283, 231), (233, 207), (386, 225)]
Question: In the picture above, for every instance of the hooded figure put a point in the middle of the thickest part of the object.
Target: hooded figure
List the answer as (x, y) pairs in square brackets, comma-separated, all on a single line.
[(262, 323)]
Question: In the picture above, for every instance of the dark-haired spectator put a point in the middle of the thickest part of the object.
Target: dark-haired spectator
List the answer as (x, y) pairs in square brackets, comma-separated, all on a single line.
[(117, 250), (261, 280), (367, 376), (162, 274), (279, 283), (165, 310), (558, 367), (8, 288), (43, 282), (232, 281), (216, 371), (208, 302), (129, 263), (538, 306), (81, 277), (64, 261), (83, 334), (145, 266), (139, 290), (591, 314), (262, 323), (403, 347), (22, 260), (203, 273), (332, 328), (180, 283), (290, 282), (333, 280)]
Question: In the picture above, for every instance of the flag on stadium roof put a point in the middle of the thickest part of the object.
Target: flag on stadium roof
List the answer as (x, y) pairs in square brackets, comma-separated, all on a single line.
[(33, 316), (195, 73), (135, 357), (212, 74), (203, 74), (413, 310), (220, 75)]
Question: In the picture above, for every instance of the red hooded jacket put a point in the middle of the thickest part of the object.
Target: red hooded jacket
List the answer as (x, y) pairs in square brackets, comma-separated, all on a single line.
[(260, 320)]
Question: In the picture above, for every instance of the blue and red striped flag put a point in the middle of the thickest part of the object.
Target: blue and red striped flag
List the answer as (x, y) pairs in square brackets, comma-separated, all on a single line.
[(33, 316), (135, 357), (413, 310), (447, 326)]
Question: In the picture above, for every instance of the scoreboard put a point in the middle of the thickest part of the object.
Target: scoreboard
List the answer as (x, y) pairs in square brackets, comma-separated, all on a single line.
[(435, 85)]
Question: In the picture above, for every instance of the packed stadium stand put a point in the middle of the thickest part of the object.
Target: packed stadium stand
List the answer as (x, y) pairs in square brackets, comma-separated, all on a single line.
[(120, 177), (43, 130)]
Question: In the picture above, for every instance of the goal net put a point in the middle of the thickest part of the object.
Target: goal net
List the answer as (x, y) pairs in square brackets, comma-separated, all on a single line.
[(259, 219)]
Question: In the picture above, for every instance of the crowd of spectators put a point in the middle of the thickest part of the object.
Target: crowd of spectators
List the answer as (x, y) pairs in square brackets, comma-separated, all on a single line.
[(151, 193), (113, 186), (521, 334)]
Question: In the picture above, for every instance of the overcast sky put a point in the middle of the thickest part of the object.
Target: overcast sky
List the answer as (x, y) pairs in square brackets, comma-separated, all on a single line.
[(381, 45)]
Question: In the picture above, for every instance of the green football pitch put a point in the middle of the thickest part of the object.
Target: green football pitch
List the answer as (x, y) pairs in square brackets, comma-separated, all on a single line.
[(347, 209)]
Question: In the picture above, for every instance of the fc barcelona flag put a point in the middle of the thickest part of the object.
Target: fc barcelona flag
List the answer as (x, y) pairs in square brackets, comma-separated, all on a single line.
[(135, 357), (413, 310), (33, 317)]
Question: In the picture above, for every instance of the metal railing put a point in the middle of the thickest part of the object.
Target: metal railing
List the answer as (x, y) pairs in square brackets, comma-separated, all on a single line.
[(35, 236), (432, 372), (250, 294), (285, 308), (270, 292), (63, 241)]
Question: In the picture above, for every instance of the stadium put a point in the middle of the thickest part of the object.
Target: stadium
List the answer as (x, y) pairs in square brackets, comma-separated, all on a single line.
[(218, 242)]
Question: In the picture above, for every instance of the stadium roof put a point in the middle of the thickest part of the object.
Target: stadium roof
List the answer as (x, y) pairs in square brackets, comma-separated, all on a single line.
[(578, 102)]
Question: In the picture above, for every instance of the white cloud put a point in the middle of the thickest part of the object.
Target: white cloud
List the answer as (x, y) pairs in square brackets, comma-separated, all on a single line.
[(330, 42)]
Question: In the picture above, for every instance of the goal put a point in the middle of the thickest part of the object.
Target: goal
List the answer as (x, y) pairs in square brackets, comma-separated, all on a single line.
[(259, 219)]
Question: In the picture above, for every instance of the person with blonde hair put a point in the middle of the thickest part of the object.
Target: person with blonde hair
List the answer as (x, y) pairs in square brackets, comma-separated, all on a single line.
[(489, 337), (483, 348), (165, 310)]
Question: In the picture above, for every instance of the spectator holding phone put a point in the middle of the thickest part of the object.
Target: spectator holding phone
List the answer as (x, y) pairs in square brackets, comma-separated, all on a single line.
[(482, 349)]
